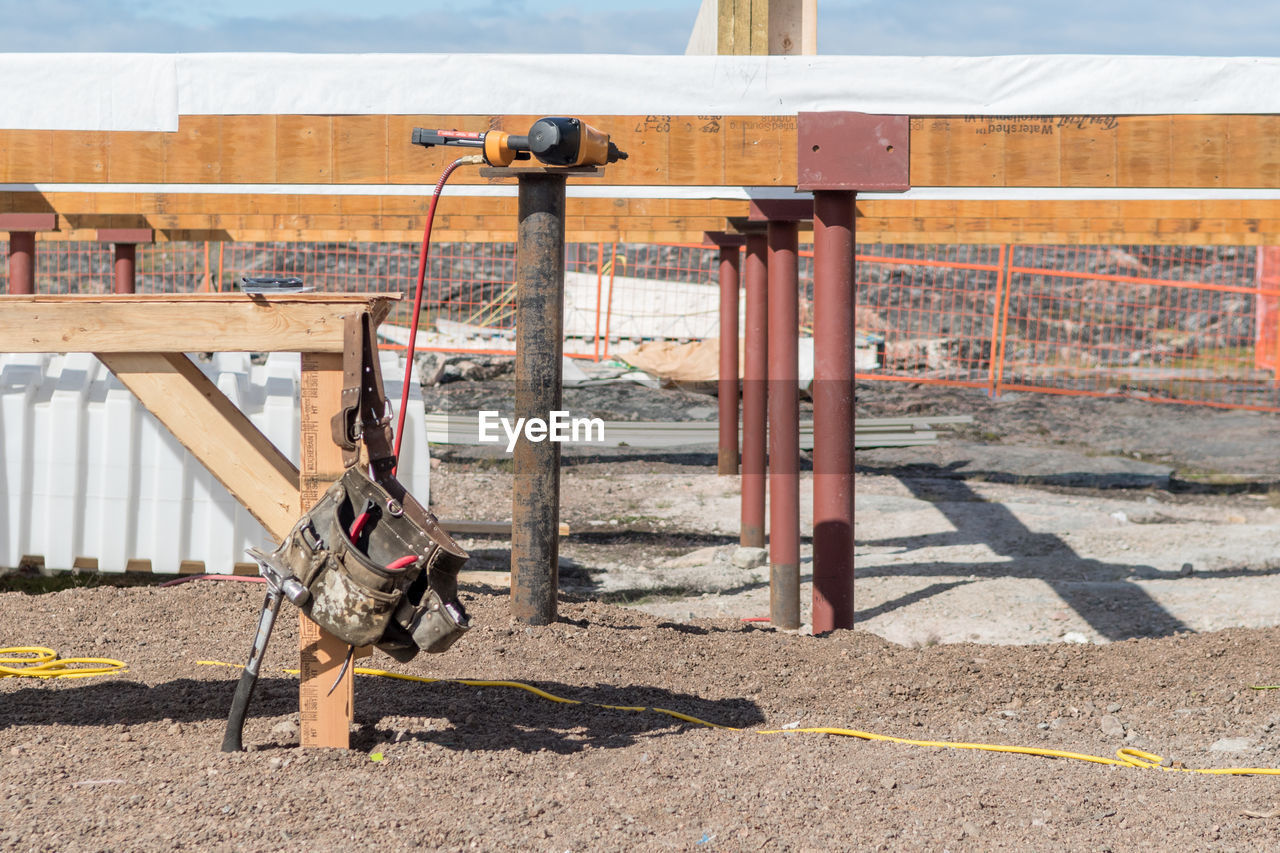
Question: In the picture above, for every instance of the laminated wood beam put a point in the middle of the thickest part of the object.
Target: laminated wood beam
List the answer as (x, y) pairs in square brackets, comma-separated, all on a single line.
[(1029, 151), (181, 323)]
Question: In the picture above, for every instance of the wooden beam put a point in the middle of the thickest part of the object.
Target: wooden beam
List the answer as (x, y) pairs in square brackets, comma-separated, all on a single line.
[(215, 432), (792, 27), (1104, 150), (325, 713), (181, 323)]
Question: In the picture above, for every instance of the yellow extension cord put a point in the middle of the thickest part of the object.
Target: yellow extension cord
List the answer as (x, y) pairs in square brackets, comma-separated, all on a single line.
[(1126, 757), (41, 662)]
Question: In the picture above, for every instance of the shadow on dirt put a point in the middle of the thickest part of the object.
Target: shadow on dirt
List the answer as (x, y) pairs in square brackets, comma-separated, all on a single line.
[(448, 714), (1098, 591)]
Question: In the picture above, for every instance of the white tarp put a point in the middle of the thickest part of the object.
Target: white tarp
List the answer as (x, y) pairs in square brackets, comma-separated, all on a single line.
[(118, 91), (88, 91)]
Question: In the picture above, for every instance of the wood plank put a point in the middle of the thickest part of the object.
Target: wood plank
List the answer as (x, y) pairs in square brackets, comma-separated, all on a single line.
[(81, 157), (1144, 144), (1201, 143), (1031, 155), (180, 323), (304, 149), (133, 157), (727, 41), (1086, 154), (945, 151), (1253, 151), (360, 147), (249, 150), (976, 151), (930, 151), (194, 153), (701, 153), (325, 714), (759, 151), (788, 22), (215, 432)]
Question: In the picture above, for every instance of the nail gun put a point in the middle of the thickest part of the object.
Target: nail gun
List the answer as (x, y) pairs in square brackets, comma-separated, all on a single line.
[(555, 141)]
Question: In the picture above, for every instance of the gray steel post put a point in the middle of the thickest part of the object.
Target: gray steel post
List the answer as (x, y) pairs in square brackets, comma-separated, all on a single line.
[(535, 510)]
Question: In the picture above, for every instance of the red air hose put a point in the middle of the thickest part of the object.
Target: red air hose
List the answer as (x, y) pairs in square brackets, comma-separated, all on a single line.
[(417, 296)]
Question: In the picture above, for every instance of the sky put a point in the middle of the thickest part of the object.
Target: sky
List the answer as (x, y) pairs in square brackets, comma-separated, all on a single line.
[(845, 27)]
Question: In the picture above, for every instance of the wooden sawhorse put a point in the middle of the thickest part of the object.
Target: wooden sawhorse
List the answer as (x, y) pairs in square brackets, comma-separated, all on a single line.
[(143, 341)]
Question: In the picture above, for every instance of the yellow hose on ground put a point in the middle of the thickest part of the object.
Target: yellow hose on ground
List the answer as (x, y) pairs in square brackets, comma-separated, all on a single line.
[(41, 662), (1126, 757)]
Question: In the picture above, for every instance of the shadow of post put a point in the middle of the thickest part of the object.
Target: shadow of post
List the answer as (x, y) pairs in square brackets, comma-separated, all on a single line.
[(1096, 590)]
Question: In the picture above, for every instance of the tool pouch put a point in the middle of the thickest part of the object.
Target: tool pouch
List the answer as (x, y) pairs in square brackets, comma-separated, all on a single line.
[(390, 579)]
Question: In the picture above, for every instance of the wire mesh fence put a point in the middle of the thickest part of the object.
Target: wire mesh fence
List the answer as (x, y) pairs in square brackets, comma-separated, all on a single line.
[(1169, 323)]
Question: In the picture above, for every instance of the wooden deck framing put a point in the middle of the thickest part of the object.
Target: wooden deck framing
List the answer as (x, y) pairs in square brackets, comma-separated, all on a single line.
[(74, 174)]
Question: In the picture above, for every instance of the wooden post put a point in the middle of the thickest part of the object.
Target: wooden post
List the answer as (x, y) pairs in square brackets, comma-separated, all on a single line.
[(325, 715)]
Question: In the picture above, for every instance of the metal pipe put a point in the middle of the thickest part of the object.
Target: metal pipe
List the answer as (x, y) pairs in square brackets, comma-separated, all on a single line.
[(784, 425), (125, 264), (727, 392), (754, 384), (833, 333), (535, 510), (22, 262)]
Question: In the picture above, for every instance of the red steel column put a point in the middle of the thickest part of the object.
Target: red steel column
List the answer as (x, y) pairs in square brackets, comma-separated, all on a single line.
[(784, 425), (727, 390), (833, 283), (754, 383), (21, 228), (125, 241), (838, 154), (22, 262), (126, 262)]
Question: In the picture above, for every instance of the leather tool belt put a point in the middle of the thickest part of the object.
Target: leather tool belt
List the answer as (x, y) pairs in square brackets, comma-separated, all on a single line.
[(379, 568)]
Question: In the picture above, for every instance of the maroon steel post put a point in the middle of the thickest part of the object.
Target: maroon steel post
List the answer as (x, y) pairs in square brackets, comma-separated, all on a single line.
[(126, 263), (125, 241), (833, 265), (754, 383), (727, 390), (22, 262), (784, 425), (838, 154)]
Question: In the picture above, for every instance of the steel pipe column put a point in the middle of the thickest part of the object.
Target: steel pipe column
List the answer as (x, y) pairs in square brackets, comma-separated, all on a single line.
[(22, 262), (727, 386), (754, 392), (125, 264), (833, 284), (784, 425), (535, 510)]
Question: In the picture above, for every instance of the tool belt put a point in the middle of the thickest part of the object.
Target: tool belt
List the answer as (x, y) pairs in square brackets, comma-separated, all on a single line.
[(378, 566)]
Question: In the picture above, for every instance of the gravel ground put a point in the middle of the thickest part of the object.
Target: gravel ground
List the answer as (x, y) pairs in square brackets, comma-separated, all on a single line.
[(131, 761)]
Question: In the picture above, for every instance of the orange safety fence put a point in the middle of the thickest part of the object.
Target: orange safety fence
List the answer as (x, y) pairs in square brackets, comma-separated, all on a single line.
[(1168, 323)]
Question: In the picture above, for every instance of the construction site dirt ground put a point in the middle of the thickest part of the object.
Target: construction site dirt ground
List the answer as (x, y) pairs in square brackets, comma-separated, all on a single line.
[(1063, 574)]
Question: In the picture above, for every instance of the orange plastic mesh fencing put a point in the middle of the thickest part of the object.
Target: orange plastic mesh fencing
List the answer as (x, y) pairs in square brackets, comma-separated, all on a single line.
[(1267, 352), (1168, 323)]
